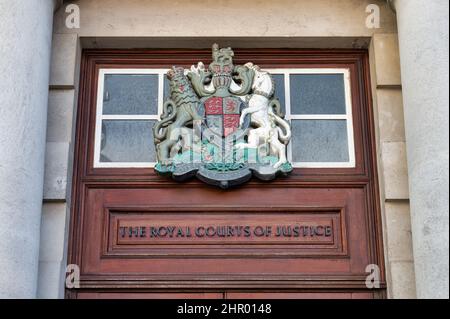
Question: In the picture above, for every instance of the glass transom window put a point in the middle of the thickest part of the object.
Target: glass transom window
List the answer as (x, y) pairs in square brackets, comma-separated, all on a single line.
[(316, 102)]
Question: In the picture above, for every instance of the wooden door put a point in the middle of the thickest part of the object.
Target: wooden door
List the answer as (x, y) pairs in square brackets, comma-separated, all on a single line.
[(138, 235)]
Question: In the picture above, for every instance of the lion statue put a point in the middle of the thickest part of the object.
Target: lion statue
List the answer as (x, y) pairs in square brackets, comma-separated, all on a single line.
[(179, 111)]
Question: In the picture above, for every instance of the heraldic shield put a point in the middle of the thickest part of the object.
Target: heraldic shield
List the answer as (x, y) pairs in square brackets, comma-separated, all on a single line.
[(221, 124)]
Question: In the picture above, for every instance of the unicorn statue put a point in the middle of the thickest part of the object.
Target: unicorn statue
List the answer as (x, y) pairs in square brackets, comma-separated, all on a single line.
[(268, 126)]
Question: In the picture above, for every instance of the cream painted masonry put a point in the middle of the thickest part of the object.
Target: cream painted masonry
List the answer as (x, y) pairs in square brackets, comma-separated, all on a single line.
[(139, 23), (392, 166), (226, 18), (25, 47), (423, 32)]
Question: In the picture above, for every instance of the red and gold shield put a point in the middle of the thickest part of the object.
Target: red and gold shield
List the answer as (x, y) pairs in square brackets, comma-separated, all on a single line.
[(222, 114)]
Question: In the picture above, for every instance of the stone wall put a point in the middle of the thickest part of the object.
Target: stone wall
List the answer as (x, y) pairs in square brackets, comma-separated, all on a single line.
[(25, 44), (285, 23), (62, 104), (392, 165), (423, 30)]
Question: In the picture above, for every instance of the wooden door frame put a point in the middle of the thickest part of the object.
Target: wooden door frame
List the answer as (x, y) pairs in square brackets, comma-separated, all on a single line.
[(363, 176)]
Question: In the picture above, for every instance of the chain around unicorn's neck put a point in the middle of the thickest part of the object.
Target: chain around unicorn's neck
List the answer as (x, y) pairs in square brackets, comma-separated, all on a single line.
[(266, 95)]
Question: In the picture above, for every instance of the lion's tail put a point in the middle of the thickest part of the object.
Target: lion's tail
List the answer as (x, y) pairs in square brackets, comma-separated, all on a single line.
[(168, 116)]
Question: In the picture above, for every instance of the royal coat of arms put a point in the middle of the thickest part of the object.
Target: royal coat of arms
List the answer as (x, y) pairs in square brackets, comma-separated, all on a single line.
[(222, 124)]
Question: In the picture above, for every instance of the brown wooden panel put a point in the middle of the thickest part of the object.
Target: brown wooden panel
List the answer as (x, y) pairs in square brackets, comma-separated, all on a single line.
[(221, 228), (149, 295), (345, 199), (226, 295), (351, 240), (299, 295), (204, 231)]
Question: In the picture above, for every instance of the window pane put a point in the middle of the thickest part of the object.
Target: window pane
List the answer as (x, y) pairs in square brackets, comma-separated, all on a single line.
[(279, 90), (130, 94), (319, 141), (127, 141), (317, 94)]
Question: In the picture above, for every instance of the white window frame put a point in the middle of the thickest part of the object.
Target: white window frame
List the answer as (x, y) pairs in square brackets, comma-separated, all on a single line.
[(348, 116), (288, 116), (100, 116)]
